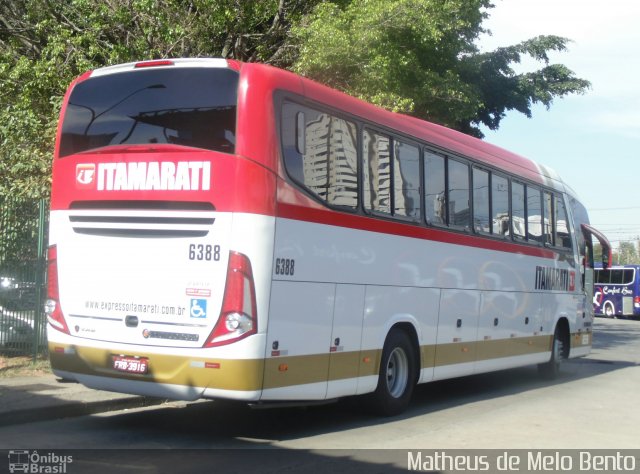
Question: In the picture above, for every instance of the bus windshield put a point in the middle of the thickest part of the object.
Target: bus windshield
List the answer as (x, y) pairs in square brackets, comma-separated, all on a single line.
[(194, 107)]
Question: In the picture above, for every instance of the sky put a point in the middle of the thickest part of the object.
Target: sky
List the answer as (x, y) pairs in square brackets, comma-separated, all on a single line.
[(591, 140)]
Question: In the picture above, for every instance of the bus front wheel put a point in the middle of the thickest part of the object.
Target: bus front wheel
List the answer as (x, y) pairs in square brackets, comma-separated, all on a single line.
[(397, 375), (559, 352)]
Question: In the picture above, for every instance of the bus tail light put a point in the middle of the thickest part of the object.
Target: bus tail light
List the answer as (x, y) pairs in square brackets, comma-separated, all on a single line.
[(636, 301), (156, 63), (238, 318), (52, 305)]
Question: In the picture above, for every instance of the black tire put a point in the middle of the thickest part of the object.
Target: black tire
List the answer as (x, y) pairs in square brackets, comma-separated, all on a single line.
[(397, 375), (550, 370), (609, 310)]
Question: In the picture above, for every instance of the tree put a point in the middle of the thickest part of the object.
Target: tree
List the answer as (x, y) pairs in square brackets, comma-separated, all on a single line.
[(414, 56), (419, 57), (44, 44), (627, 253)]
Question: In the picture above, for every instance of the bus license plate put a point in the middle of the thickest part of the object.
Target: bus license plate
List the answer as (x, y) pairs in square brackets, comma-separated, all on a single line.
[(132, 365)]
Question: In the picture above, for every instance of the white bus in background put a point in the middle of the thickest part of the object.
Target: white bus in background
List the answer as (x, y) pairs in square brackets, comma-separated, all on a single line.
[(228, 230)]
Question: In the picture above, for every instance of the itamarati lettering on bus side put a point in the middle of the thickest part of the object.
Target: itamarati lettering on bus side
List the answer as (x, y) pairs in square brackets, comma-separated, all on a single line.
[(154, 176), (555, 279)]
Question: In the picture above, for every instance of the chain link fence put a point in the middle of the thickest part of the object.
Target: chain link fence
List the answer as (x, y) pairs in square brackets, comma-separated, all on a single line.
[(23, 237)]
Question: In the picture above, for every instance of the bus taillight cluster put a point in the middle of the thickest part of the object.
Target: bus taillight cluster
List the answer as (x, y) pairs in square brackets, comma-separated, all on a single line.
[(52, 305), (238, 317)]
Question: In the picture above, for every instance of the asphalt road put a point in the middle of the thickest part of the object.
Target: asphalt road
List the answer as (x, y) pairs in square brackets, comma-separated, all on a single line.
[(593, 405)]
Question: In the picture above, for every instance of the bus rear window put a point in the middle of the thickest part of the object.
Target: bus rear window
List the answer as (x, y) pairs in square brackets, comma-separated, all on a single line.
[(193, 107)]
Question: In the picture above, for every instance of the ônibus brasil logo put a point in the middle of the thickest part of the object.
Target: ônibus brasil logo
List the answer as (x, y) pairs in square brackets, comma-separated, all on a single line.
[(145, 176), (23, 460)]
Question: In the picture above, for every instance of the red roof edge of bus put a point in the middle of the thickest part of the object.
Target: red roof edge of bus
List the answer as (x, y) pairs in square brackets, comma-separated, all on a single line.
[(258, 140), (431, 133), (234, 64), (428, 132), (81, 77)]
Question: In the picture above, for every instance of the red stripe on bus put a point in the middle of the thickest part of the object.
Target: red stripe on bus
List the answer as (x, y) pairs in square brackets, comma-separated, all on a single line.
[(365, 223)]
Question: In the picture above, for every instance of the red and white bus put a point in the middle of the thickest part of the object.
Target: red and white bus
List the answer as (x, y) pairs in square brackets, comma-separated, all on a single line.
[(229, 230)]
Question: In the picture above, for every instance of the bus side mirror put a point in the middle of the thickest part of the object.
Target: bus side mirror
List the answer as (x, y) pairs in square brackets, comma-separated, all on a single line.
[(605, 259), (590, 232)]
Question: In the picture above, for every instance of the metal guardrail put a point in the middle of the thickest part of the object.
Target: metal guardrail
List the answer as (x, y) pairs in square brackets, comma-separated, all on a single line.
[(23, 235)]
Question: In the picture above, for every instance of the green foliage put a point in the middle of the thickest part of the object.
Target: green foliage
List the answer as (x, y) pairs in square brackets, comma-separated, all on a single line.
[(399, 54), (419, 57), (19, 233), (501, 89), (412, 56), (44, 44), (627, 253)]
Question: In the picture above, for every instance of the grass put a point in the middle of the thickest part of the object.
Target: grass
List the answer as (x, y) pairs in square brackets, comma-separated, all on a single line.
[(23, 366)]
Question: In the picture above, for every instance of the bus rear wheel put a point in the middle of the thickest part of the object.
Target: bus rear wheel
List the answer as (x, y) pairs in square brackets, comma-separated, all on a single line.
[(397, 375), (609, 310)]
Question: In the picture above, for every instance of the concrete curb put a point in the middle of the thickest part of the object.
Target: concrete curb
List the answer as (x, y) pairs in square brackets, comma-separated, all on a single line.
[(46, 397), (75, 409)]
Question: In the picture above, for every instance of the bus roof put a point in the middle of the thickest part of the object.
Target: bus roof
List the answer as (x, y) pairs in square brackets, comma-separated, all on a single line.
[(436, 135)]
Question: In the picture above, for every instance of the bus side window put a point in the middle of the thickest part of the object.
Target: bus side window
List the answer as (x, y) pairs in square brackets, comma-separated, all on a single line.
[(459, 194), (518, 219), (377, 172), (548, 216), (293, 126), (301, 142), (499, 205), (616, 277), (320, 154), (561, 224), (406, 177), (435, 205), (481, 210), (534, 215), (343, 163)]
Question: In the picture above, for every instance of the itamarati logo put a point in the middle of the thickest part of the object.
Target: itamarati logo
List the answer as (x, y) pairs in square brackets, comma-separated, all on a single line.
[(85, 175), (22, 460), (555, 279), (145, 176)]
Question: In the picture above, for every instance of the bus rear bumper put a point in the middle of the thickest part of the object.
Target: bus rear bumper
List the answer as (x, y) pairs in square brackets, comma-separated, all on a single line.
[(157, 390), (147, 389), (178, 377)]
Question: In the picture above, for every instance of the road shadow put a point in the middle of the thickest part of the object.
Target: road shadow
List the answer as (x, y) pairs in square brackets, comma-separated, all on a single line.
[(222, 436), (223, 424), (615, 333)]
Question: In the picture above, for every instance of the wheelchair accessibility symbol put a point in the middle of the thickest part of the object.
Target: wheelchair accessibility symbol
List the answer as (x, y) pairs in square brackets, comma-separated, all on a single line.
[(198, 308)]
